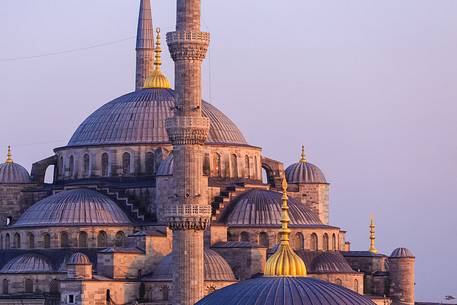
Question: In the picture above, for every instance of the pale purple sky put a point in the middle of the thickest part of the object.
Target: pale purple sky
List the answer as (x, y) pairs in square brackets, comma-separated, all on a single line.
[(368, 87)]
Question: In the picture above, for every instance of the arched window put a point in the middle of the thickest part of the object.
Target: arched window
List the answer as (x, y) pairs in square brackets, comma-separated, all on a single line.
[(234, 164), (108, 297), (165, 292), (247, 171), (64, 240), (206, 165), (120, 239), (338, 282), (102, 239), (71, 166), (325, 242), (82, 240), (28, 286), (7, 241), (31, 240), (126, 163), (334, 246), (86, 164), (105, 164), (264, 239), (17, 241), (314, 242), (299, 241), (61, 166), (54, 286), (244, 236), (356, 285), (150, 163), (217, 165), (46, 241), (5, 286)]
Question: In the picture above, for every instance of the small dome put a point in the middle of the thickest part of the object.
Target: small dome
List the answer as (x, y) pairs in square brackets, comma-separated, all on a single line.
[(285, 291), (304, 172), (258, 207), (27, 263), (330, 262), (166, 166), (402, 253), (73, 208), (216, 268), (79, 259), (13, 173)]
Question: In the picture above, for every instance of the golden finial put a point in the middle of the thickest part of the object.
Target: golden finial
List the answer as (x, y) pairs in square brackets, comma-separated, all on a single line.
[(372, 236), (9, 156), (303, 156), (285, 262), (157, 80)]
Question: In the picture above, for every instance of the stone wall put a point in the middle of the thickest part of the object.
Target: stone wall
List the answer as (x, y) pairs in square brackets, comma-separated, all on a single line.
[(245, 262), (352, 281), (14, 201)]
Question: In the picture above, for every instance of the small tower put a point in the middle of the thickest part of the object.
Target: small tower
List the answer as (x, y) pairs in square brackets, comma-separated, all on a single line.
[(401, 275), (372, 248), (79, 267), (144, 45)]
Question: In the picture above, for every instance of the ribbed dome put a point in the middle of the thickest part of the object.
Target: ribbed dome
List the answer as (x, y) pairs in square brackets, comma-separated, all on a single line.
[(284, 291), (139, 118), (216, 268), (73, 208), (12, 173), (79, 259), (330, 262), (304, 172), (166, 166), (27, 263), (263, 208), (402, 253)]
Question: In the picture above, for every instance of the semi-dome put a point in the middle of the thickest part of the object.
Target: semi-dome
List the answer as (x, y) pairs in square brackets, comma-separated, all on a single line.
[(27, 263), (77, 207), (330, 262), (13, 173), (78, 258), (166, 166), (139, 118), (402, 253), (285, 291), (259, 207), (304, 172), (215, 266)]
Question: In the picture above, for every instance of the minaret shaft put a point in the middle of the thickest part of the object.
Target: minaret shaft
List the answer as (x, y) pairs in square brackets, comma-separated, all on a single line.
[(144, 45), (189, 214)]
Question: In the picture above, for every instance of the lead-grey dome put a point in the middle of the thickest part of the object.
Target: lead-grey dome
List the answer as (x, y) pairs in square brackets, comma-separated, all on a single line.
[(139, 118), (330, 262), (304, 172), (215, 266), (27, 263), (79, 258), (77, 207), (13, 173), (284, 291), (402, 253), (259, 207)]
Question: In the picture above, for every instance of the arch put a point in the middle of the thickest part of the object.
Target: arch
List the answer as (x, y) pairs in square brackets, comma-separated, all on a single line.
[(119, 239), (325, 242), (314, 242), (264, 239), (82, 239), (54, 286), (9, 220), (299, 241), (5, 286), (206, 165), (7, 241), (150, 164), (71, 166), (64, 240), (28, 283), (50, 174), (338, 282), (102, 239), (46, 241), (244, 236), (126, 163), (334, 245), (86, 165), (105, 165), (165, 292), (356, 285), (31, 240), (217, 165), (234, 165), (17, 241), (268, 176), (247, 170)]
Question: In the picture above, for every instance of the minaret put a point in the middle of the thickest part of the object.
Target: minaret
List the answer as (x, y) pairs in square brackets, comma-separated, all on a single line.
[(144, 45), (372, 248), (188, 215), (9, 156)]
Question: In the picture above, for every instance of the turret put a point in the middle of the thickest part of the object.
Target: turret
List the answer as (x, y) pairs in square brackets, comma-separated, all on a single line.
[(401, 272), (79, 267)]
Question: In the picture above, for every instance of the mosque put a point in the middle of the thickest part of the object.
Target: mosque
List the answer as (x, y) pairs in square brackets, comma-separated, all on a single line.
[(159, 199)]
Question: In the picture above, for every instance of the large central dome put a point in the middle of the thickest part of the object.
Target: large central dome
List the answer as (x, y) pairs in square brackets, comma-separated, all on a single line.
[(139, 118)]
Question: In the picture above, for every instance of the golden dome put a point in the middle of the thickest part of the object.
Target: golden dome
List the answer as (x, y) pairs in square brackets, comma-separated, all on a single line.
[(285, 262), (157, 80)]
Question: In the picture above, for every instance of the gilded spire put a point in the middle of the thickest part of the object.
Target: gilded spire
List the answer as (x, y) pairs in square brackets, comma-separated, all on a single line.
[(303, 156), (157, 80), (9, 156), (372, 236), (285, 262)]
